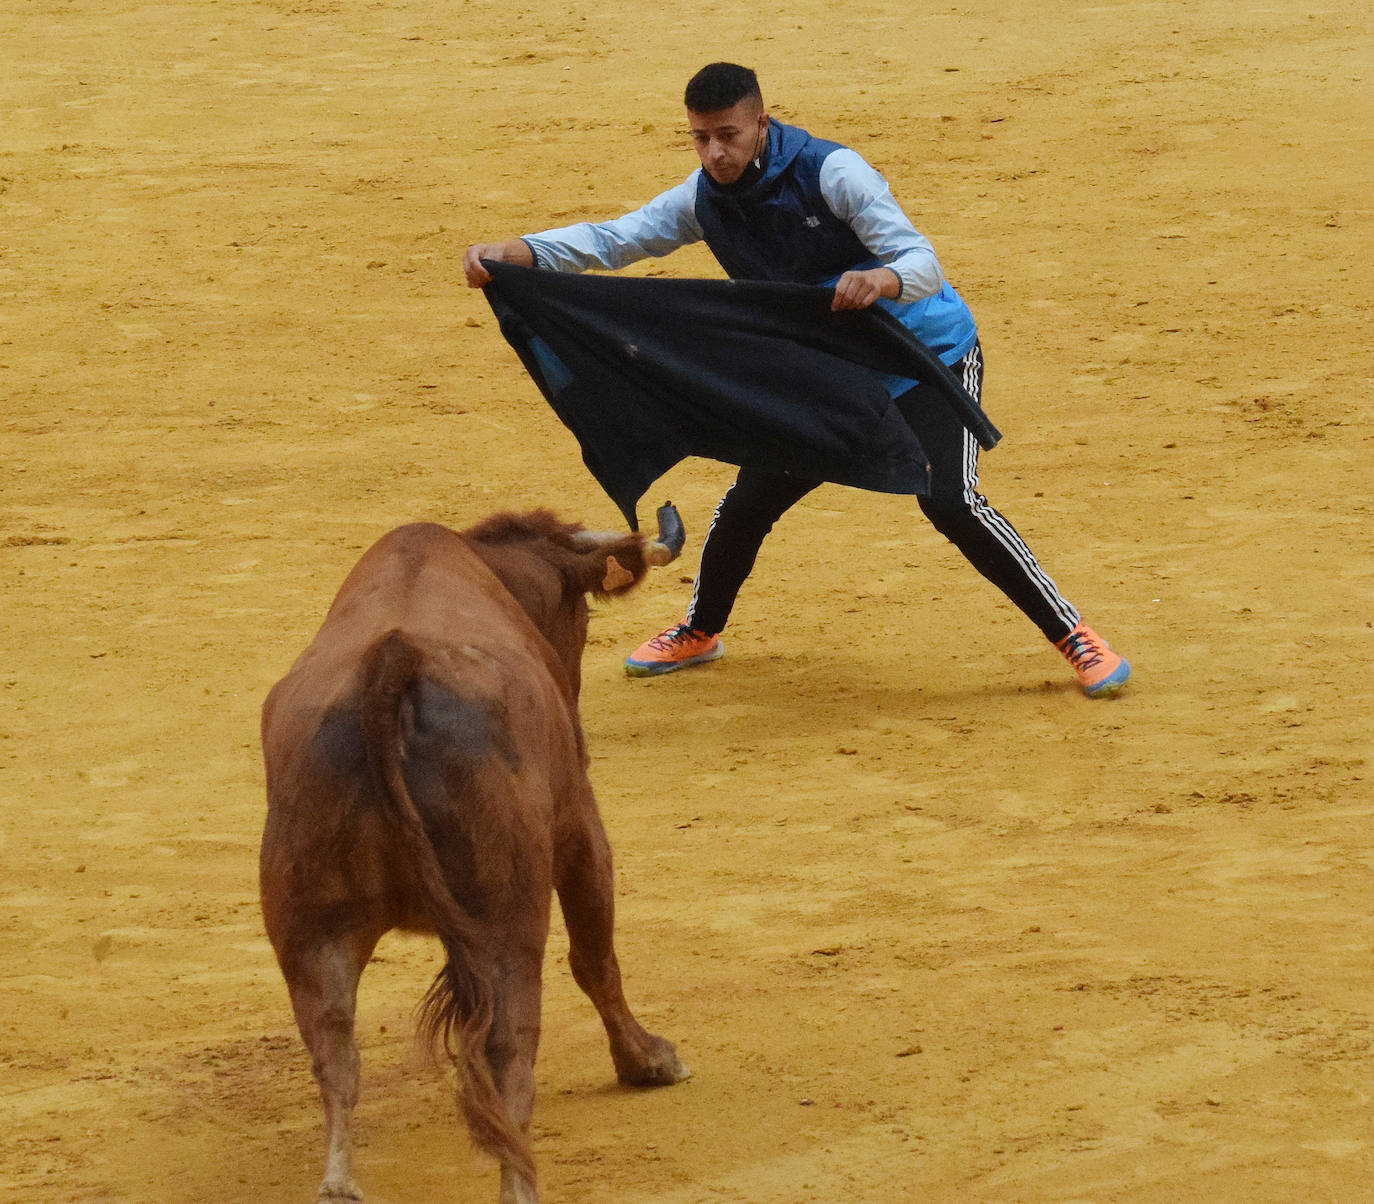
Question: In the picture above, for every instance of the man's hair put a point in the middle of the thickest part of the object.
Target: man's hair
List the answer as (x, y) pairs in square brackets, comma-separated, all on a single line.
[(720, 86)]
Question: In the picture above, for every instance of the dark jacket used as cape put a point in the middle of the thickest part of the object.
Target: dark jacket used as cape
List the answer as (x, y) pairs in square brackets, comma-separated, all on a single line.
[(646, 372)]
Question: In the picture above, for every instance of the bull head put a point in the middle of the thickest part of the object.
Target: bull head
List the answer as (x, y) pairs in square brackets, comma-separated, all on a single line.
[(660, 551)]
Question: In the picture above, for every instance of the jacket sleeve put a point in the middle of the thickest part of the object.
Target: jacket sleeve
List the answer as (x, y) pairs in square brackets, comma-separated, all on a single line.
[(664, 224), (858, 195)]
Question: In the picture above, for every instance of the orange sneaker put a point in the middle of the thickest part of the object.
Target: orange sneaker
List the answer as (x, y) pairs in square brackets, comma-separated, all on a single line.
[(675, 648), (1100, 671)]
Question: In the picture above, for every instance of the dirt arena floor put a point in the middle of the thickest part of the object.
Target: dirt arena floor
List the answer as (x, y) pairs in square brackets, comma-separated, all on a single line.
[(926, 924)]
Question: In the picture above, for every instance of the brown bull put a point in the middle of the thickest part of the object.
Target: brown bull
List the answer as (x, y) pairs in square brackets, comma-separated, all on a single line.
[(426, 770)]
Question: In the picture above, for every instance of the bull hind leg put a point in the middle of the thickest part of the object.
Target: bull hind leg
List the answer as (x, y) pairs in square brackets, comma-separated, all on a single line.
[(485, 1010), (586, 893), (323, 983), (512, 1045)]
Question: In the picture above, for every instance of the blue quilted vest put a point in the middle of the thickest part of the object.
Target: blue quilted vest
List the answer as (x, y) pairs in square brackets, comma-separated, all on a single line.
[(779, 228)]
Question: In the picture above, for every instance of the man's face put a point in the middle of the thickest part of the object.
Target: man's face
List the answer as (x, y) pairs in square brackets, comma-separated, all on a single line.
[(727, 141)]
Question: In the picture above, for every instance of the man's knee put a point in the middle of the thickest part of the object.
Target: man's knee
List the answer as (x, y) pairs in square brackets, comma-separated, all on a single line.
[(949, 516), (750, 509), (738, 529)]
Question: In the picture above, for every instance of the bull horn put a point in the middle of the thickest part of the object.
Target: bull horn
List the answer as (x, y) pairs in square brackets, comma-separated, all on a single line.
[(671, 536), (589, 541), (659, 551)]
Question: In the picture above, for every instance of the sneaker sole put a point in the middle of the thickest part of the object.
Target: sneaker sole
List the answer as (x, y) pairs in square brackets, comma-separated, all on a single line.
[(634, 668), (1111, 683)]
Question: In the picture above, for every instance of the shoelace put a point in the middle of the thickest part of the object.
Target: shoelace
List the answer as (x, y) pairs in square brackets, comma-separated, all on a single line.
[(678, 635), (1083, 653)]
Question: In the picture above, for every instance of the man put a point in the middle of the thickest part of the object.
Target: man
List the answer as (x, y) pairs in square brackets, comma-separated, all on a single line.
[(773, 203)]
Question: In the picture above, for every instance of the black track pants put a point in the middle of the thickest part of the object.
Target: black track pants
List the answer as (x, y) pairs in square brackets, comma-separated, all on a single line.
[(955, 508)]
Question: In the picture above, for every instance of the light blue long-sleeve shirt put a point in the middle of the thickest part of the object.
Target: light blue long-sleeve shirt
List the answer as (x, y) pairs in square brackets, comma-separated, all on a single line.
[(855, 192)]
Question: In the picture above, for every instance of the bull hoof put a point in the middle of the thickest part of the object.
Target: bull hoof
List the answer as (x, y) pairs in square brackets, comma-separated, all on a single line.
[(681, 1073), (660, 1069)]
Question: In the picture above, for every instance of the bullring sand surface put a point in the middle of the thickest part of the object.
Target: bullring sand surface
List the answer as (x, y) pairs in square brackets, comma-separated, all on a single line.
[(926, 924)]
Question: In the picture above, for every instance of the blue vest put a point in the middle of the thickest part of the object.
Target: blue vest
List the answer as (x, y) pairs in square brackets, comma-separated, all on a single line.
[(779, 228)]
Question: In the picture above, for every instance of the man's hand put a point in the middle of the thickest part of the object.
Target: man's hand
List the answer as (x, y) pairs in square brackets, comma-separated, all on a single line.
[(512, 250), (858, 290)]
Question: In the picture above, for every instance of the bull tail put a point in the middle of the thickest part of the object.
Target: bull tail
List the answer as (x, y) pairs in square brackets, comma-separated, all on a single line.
[(457, 1009)]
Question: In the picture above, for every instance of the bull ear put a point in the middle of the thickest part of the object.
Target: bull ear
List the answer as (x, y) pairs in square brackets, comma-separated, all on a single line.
[(617, 576)]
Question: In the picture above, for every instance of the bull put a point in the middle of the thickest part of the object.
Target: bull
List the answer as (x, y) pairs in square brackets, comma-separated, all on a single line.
[(427, 771)]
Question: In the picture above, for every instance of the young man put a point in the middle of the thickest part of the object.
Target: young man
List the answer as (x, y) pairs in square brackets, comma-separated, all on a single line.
[(773, 203)]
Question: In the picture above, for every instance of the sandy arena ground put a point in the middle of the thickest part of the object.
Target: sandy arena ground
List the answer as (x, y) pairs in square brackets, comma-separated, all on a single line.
[(926, 924)]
